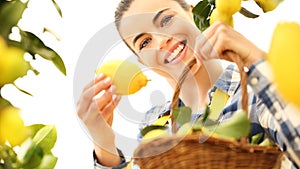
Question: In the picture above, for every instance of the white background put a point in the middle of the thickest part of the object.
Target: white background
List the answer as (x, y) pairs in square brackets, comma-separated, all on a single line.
[(52, 101)]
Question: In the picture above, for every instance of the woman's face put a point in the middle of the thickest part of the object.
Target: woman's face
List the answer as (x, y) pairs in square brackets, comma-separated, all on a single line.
[(162, 33)]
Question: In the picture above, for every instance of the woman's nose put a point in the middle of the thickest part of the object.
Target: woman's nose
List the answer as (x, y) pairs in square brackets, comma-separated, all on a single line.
[(164, 42)]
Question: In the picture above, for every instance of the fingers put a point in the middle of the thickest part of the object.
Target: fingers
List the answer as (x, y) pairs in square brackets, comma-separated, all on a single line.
[(97, 79), (100, 83), (216, 40), (107, 111)]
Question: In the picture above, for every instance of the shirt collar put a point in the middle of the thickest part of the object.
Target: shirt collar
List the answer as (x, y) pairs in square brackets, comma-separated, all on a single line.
[(228, 81)]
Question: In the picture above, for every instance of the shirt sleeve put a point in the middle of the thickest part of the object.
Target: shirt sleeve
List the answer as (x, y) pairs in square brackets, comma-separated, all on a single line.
[(281, 118), (122, 164)]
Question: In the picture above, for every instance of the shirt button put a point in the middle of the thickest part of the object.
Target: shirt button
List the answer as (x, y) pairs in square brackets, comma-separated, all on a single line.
[(278, 116), (254, 80)]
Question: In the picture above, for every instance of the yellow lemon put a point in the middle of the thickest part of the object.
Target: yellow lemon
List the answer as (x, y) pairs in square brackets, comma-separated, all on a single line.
[(155, 134), (217, 16), (228, 7), (267, 5), (12, 64), (12, 127), (284, 58), (126, 75)]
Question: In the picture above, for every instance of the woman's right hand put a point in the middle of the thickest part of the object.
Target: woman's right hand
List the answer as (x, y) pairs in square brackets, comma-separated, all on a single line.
[(95, 108), (221, 41)]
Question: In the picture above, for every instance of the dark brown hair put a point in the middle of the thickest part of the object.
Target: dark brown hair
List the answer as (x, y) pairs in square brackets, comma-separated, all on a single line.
[(125, 4)]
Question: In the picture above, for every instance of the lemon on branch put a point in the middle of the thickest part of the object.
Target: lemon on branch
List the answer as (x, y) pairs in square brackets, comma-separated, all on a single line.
[(217, 16), (284, 58), (126, 75), (12, 127), (228, 7), (12, 63), (224, 11), (267, 5)]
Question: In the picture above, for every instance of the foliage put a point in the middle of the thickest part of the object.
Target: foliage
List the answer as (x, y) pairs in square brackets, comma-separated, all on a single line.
[(22, 146), (204, 8)]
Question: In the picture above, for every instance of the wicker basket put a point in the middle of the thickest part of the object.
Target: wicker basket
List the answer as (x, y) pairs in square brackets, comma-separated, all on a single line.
[(201, 151), (176, 152)]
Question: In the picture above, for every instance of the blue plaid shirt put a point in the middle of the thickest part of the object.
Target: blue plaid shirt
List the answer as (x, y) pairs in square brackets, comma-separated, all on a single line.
[(269, 114)]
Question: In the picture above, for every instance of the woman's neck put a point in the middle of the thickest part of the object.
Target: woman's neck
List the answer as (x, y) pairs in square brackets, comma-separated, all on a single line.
[(194, 90)]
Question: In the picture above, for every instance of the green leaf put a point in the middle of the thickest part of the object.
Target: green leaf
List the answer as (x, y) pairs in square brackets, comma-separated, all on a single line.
[(267, 142), (255, 139), (9, 157), (46, 138), (57, 8), (48, 162), (4, 103), (10, 14), (237, 126), (182, 114), (21, 90), (247, 13), (34, 128), (33, 45), (201, 14), (27, 149), (200, 123), (36, 158), (145, 130), (206, 114)]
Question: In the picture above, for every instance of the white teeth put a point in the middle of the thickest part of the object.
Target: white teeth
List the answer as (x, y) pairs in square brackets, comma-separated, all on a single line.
[(175, 52)]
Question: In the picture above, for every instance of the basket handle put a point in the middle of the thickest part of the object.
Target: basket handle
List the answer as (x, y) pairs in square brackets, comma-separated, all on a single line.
[(243, 75), (175, 97), (237, 59)]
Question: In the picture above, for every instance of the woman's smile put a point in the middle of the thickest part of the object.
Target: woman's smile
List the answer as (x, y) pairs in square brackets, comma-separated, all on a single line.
[(176, 53)]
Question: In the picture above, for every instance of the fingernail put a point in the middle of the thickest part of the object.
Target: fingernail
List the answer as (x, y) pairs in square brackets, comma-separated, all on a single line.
[(99, 76), (112, 88), (116, 97), (107, 80)]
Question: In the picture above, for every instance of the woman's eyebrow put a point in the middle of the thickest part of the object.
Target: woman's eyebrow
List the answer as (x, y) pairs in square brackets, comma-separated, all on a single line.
[(158, 14), (154, 20)]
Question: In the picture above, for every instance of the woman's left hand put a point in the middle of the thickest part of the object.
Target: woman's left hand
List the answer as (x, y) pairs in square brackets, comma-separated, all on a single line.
[(219, 40)]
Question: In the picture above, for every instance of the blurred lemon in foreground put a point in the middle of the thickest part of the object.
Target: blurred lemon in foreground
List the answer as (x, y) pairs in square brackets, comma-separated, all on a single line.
[(217, 16), (12, 127), (228, 7), (126, 75), (284, 57), (267, 5), (12, 63)]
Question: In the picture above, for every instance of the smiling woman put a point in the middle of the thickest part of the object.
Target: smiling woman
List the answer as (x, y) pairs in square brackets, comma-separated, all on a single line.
[(165, 39), (52, 92)]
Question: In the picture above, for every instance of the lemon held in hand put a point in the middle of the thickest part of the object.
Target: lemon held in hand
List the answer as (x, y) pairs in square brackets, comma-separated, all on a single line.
[(126, 75), (284, 57)]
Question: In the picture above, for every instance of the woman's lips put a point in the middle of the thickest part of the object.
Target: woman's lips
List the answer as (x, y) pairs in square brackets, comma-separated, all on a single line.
[(176, 53)]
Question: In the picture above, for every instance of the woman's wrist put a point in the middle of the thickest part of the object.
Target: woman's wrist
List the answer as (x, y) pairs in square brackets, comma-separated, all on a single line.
[(253, 57), (107, 157)]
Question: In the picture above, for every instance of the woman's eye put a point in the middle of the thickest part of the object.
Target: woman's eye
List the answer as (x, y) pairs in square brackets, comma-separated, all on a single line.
[(145, 43), (166, 20)]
